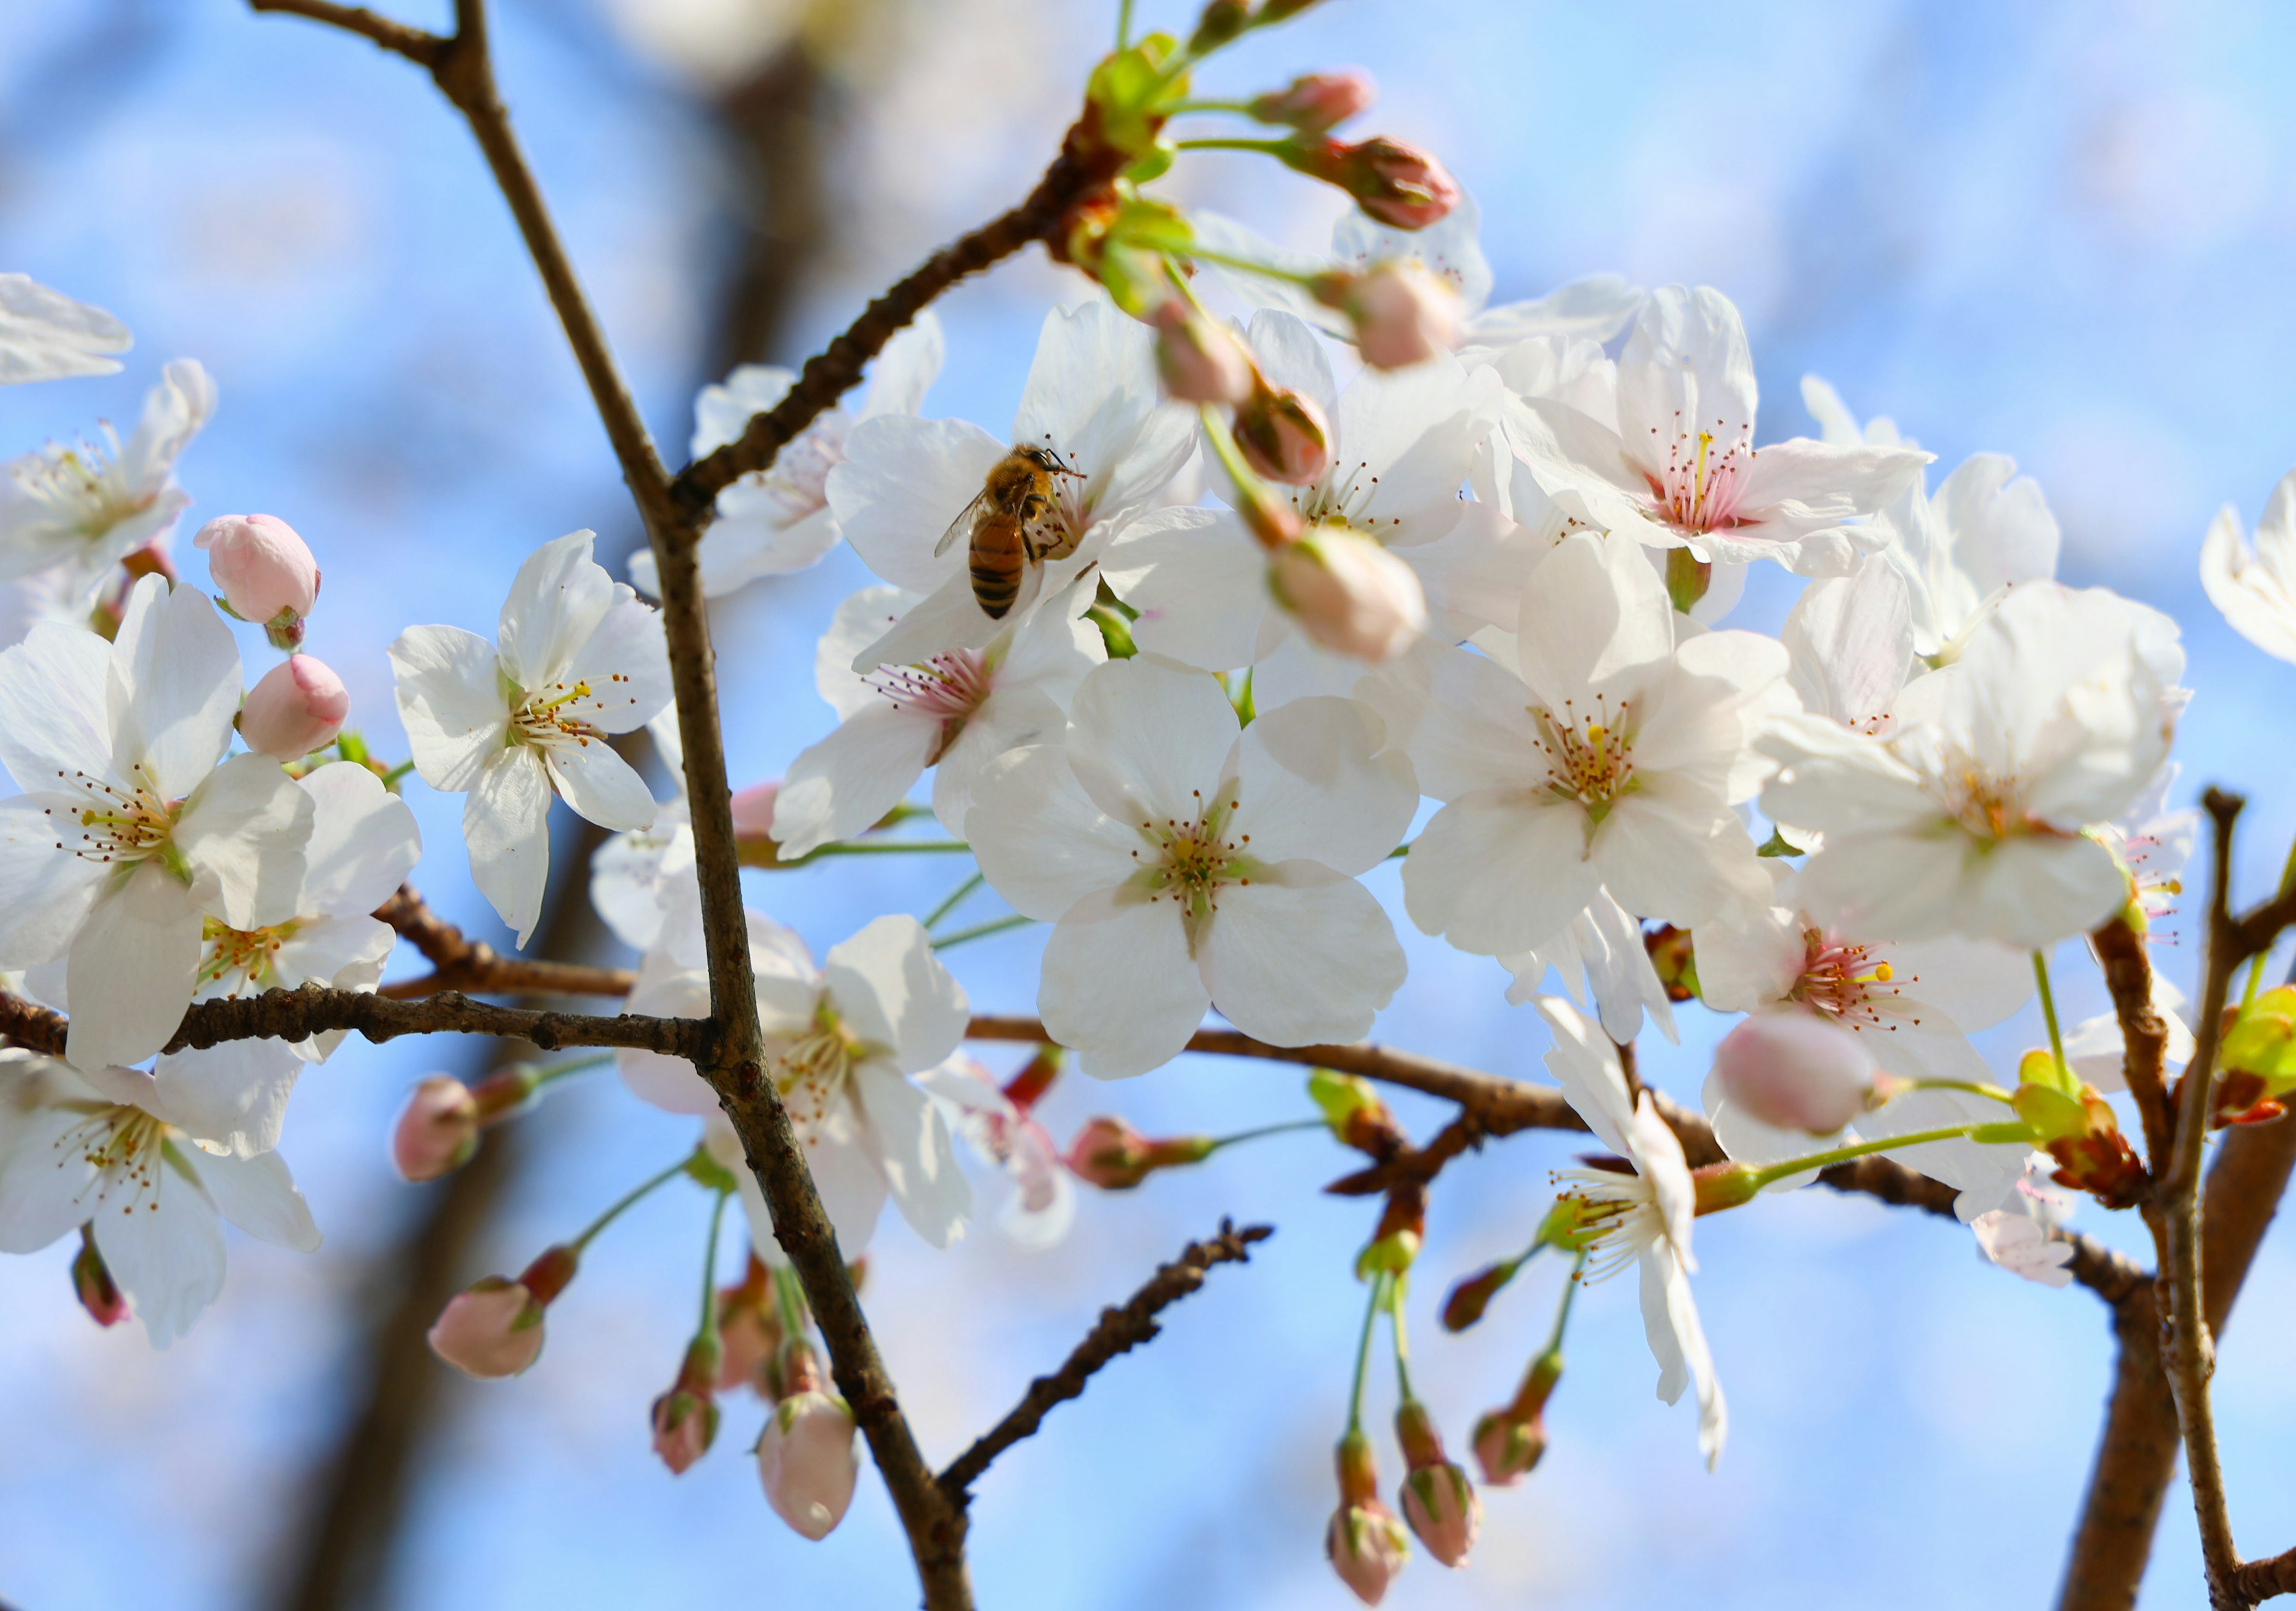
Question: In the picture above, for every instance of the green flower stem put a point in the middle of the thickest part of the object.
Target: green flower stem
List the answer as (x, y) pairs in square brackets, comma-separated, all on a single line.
[(1271, 148), (1253, 1135), (1770, 1174), (631, 1197), (2049, 1014), (1124, 25), (1553, 1349), (2256, 967), (581, 1065), (1266, 271), (1223, 448), (1402, 1347), (710, 1270), (955, 898), (789, 1302), (1974, 1088), (1242, 109), (1363, 1354), (886, 847), (981, 931)]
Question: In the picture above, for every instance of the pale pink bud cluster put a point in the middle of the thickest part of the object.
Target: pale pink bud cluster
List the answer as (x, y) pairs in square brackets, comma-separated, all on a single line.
[(808, 1461), (494, 1327), (686, 1418), (1200, 361), (298, 706), (1283, 434), (1349, 593), (1795, 1072), (1436, 1499), (1366, 1544), (1399, 184), (263, 571), (1401, 314), (1316, 101), (437, 1130)]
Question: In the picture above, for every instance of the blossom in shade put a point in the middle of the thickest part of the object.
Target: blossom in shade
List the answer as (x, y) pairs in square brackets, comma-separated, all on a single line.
[(73, 1155), (955, 712), (87, 507), (2023, 1247), (577, 658), (1005, 1133), (1642, 1218), (2254, 585), (1600, 952), (778, 520), (1606, 757), (1969, 817), (45, 335), (1681, 469), (844, 1041), (1187, 865), (133, 831)]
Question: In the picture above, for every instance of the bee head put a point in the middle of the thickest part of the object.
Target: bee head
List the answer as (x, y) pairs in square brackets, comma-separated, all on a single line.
[(1048, 460)]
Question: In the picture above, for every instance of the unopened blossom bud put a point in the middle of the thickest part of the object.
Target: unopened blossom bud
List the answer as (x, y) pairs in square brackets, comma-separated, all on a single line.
[(2257, 1060), (1468, 1300), (753, 824), (298, 706), (686, 1418), (494, 1327), (265, 572), (1316, 101), (1366, 1544), (1355, 1113), (1349, 593), (1402, 315), (93, 1285), (1510, 1440), (1436, 1497), (1674, 960), (808, 1463), (1220, 22), (1200, 361), (437, 1130), (1399, 184), (1111, 1154), (1792, 1071), (1396, 1239), (1283, 434), (2079, 1131), (749, 1330)]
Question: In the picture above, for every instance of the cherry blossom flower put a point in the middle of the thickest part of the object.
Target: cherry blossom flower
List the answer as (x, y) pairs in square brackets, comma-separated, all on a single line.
[(2019, 1238), (133, 831), (87, 507), (1092, 398), (1402, 445), (640, 874), (1606, 756), (2255, 586), (577, 658), (1599, 952), (778, 520), (1187, 866), (46, 336), (1681, 468), (364, 841), (1968, 819), (1042, 1204), (1849, 645), (843, 1041), (955, 712), (1642, 1218), (73, 1155), (1984, 530)]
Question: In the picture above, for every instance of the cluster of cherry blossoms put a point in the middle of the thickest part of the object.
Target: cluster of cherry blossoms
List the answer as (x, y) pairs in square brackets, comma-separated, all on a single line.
[(1278, 557)]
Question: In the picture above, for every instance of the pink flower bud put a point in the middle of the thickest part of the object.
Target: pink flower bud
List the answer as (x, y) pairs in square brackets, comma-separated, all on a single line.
[(1349, 593), (1440, 1504), (1399, 184), (1283, 436), (494, 1330), (684, 1425), (1110, 1154), (1794, 1072), (753, 810), (437, 1130), (1316, 102), (752, 1337), (1402, 315), (93, 1285), (265, 572), (808, 1461), (298, 706), (1200, 362), (1508, 1448), (1366, 1547)]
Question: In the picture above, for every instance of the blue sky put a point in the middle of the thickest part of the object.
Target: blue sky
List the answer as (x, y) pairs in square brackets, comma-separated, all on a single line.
[(2057, 231)]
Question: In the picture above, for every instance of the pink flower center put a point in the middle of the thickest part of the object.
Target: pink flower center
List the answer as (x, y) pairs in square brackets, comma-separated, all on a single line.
[(1844, 982), (1703, 482), (946, 689), (1590, 759)]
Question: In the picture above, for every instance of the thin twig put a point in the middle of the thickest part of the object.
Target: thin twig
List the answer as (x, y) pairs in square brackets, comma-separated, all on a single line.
[(2127, 970), (1118, 1330), (476, 968), (418, 45)]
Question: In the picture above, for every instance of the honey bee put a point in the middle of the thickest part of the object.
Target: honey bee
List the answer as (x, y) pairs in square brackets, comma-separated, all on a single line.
[(1013, 522)]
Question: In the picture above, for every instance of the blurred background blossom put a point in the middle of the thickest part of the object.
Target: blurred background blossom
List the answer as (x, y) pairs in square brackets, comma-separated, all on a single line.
[(2061, 231)]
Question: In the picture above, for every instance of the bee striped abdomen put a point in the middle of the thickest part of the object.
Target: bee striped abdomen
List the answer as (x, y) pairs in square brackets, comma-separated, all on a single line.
[(1000, 556)]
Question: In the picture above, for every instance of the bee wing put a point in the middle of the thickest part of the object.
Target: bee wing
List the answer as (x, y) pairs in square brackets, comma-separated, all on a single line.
[(963, 523)]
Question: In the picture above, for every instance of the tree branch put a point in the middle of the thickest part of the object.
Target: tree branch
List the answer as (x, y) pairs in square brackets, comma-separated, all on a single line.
[(1118, 1330), (418, 45), (473, 966), (2127, 969)]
